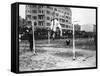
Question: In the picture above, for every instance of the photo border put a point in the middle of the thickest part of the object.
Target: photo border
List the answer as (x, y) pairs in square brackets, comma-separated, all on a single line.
[(17, 32)]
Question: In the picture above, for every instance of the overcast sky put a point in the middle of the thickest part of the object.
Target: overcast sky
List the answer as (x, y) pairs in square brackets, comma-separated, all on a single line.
[(82, 15), (22, 11), (85, 17)]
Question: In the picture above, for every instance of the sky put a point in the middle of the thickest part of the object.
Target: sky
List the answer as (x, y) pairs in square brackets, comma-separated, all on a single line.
[(22, 11), (84, 16)]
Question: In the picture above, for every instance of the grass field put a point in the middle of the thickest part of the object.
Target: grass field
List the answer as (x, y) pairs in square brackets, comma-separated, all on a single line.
[(79, 43), (57, 55)]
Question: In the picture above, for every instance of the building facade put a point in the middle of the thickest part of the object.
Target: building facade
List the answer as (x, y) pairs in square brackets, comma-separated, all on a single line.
[(42, 16), (94, 28), (77, 27)]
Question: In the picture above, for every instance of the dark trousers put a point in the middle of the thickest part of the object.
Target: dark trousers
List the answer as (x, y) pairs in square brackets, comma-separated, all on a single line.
[(31, 45), (31, 41), (53, 34)]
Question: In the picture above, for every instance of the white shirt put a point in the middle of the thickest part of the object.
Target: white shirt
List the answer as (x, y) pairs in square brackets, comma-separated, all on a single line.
[(54, 25)]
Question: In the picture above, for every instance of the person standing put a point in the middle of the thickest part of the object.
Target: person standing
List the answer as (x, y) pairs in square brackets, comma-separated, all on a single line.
[(29, 33)]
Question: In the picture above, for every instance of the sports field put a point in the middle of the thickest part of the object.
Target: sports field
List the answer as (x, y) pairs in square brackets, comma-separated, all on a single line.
[(57, 55)]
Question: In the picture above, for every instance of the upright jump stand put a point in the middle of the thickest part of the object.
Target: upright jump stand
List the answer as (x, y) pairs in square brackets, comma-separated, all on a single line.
[(34, 50)]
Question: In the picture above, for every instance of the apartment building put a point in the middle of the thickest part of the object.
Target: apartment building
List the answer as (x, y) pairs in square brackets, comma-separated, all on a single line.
[(42, 16)]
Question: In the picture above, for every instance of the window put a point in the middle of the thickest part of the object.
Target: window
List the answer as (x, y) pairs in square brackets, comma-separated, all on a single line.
[(34, 11), (57, 14), (28, 16), (28, 5), (40, 6), (29, 22), (55, 9), (69, 17), (40, 11), (49, 7), (34, 17), (63, 25), (66, 26), (28, 11), (48, 24), (40, 23), (62, 20), (40, 16), (69, 27), (48, 12), (66, 20), (33, 6), (66, 16), (48, 18), (35, 23), (59, 11)]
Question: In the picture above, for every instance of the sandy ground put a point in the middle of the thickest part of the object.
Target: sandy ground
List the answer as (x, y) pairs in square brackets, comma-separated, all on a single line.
[(48, 58)]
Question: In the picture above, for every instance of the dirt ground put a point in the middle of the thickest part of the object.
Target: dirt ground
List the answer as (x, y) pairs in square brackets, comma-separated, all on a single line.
[(49, 58)]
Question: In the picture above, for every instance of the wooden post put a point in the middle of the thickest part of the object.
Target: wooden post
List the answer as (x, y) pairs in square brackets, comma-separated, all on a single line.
[(33, 37), (48, 37), (73, 43)]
